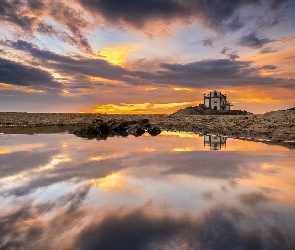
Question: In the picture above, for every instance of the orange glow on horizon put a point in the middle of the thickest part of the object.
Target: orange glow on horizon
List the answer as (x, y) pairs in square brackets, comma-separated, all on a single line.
[(142, 108)]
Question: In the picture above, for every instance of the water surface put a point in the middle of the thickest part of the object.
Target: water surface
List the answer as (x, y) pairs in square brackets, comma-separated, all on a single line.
[(173, 191)]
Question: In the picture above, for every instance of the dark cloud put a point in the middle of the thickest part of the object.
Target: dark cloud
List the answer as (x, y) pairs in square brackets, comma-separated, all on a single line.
[(224, 50), (74, 20), (220, 15), (207, 41), (267, 50), (217, 15), (232, 56), (136, 12), (18, 74), (253, 42), (36, 4), (276, 4), (235, 24), (289, 57), (269, 67), (208, 72), (28, 17), (76, 67), (216, 72)]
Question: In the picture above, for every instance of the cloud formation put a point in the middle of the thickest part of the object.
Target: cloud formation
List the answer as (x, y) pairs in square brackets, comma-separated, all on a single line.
[(267, 50), (216, 15), (253, 42), (276, 4), (207, 41), (19, 74), (210, 73), (28, 17), (232, 55)]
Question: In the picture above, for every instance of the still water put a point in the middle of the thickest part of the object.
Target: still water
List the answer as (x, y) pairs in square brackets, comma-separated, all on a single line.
[(173, 191)]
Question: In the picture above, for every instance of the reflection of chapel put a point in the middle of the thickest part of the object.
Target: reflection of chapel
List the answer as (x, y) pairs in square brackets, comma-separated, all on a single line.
[(216, 100), (215, 142)]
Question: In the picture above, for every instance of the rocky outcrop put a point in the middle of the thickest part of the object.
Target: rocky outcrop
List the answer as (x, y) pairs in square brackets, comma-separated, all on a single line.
[(120, 127), (203, 110), (276, 126)]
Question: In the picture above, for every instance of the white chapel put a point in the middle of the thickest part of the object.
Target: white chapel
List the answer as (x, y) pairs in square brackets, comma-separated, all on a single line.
[(216, 100)]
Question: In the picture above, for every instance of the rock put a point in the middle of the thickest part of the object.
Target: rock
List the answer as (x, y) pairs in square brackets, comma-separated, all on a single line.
[(98, 127), (120, 125)]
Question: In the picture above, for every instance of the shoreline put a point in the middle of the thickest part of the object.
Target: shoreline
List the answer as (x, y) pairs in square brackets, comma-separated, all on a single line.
[(275, 127)]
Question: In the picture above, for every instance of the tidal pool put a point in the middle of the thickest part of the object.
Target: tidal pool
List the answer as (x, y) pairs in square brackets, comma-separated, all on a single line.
[(173, 191)]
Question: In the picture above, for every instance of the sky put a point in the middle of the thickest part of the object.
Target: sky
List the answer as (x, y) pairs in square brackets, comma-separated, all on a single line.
[(145, 56)]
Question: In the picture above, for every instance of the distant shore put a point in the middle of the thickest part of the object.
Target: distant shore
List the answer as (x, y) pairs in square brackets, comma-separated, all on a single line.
[(277, 126)]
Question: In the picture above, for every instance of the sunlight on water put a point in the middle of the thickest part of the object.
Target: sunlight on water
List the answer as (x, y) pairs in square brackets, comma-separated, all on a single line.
[(173, 191)]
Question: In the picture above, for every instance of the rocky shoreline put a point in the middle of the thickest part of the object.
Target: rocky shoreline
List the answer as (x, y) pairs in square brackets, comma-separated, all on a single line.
[(275, 127)]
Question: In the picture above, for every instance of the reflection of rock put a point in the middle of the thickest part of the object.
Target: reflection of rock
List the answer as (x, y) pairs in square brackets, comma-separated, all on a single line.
[(214, 142), (101, 130), (154, 131), (135, 130)]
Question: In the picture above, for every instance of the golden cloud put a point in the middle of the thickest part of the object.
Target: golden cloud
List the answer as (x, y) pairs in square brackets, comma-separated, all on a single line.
[(116, 55), (26, 89)]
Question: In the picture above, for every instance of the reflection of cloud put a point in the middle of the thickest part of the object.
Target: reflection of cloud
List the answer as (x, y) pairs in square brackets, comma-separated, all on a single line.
[(113, 182), (104, 157), (207, 195), (253, 198), (149, 149), (218, 228), (21, 178), (224, 165), (4, 152), (179, 134), (28, 228), (183, 149), (16, 162)]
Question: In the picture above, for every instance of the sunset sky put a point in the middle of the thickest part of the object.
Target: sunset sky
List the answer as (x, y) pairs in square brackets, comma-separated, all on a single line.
[(145, 56)]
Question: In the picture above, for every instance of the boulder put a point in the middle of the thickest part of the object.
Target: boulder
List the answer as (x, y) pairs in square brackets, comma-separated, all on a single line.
[(99, 128)]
